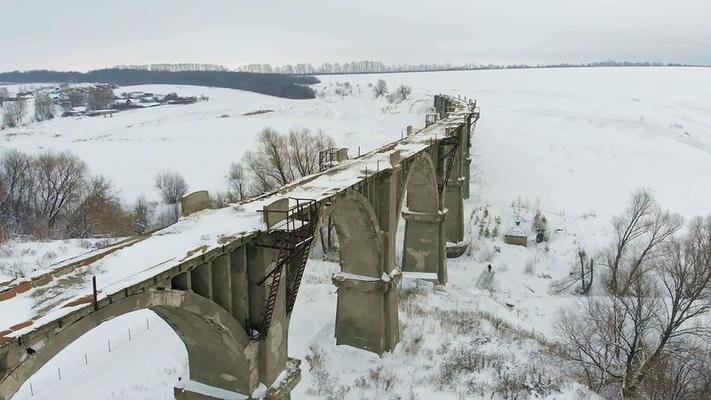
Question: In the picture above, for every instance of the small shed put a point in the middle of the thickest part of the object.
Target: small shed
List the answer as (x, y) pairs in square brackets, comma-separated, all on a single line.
[(517, 235)]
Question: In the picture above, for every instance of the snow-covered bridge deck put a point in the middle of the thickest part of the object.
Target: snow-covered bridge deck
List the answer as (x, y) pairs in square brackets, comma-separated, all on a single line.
[(30, 303)]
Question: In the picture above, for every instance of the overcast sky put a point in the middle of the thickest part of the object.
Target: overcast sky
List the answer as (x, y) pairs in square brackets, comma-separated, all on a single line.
[(82, 34)]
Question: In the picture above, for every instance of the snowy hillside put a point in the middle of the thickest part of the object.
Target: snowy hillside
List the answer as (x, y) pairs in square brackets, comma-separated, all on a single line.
[(201, 140), (573, 144)]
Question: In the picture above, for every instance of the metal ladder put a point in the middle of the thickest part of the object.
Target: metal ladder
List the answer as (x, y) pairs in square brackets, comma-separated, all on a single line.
[(293, 242)]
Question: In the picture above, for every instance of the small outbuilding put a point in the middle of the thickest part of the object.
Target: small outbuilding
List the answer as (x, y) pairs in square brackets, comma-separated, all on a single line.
[(517, 235)]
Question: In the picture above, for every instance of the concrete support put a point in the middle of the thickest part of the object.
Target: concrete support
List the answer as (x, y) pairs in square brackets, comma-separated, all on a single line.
[(182, 281), (240, 285), (273, 348), (366, 313), (454, 220), (222, 282), (424, 250), (387, 215), (201, 278)]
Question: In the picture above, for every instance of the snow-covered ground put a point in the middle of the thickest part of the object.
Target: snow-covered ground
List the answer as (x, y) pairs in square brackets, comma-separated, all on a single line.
[(572, 143), (201, 140), (23, 257)]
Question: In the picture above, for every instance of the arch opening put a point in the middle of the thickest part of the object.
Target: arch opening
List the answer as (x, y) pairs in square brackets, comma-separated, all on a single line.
[(216, 345), (420, 242)]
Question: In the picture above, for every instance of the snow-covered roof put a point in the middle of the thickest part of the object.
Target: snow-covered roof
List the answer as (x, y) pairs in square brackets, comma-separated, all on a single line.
[(517, 230)]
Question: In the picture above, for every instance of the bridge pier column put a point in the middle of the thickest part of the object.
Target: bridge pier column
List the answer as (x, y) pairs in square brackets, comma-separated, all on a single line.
[(366, 314), (454, 220), (424, 249)]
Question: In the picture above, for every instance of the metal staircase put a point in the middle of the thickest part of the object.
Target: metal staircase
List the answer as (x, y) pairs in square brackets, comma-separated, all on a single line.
[(292, 238)]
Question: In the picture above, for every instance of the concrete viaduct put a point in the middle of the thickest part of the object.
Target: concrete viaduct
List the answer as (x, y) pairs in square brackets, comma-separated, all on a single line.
[(226, 280)]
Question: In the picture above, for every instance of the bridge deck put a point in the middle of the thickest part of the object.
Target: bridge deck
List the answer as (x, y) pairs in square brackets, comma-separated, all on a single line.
[(32, 302)]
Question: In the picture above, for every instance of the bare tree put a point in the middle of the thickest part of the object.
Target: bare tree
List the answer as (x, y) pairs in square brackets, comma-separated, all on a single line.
[(280, 159), (17, 181), (638, 234), (400, 94), (582, 271), (59, 178), (171, 186), (618, 343), (44, 108), (14, 112), (304, 148), (380, 89), (4, 94), (237, 182), (98, 212), (100, 97), (140, 215), (684, 271)]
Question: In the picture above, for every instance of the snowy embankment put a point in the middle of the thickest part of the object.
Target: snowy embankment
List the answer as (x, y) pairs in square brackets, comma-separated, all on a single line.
[(573, 144)]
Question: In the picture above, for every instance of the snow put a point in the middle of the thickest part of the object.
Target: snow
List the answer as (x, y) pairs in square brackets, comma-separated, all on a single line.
[(20, 258), (201, 140), (572, 143)]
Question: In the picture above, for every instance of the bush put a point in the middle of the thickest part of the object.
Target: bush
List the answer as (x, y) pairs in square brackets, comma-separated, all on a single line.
[(380, 88), (400, 94), (172, 186)]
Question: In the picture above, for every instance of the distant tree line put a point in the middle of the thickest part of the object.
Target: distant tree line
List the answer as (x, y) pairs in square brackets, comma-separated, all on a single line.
[(291, 87), (365, 67), (181, 67)]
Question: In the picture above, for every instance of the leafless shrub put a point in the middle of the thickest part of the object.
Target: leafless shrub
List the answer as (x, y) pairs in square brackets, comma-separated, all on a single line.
[(99, 212), (280, 159), (171, 186), (44, 108), (141, 215), (380, 88), (315, 358), (380, 380), (100, 97), (14, 112), (325, 383), (344, 89), (458, 321), (582, 271), (400, 94)]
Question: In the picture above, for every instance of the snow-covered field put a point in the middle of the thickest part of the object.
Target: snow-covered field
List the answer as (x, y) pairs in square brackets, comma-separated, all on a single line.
[(572, 143), (201, 140)]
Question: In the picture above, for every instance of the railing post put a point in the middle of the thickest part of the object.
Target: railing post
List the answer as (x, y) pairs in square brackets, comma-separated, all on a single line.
[(93, 283)]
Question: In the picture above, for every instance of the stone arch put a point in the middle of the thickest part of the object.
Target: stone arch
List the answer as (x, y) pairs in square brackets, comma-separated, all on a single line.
[(219, 351), (359, 235), (424, 244), (421, 187)]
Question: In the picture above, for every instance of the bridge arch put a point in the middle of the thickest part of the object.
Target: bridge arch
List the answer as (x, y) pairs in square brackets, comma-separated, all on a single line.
[(366, 309), (421, 206), (219, 352), (359, 235)]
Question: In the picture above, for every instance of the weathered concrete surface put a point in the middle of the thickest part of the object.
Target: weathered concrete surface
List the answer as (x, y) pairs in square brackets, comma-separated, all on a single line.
[(366, 312), (194, 202), (424, 249), (220, 353)]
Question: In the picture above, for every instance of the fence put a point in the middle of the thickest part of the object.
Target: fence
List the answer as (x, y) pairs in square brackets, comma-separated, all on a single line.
[(98, 348)]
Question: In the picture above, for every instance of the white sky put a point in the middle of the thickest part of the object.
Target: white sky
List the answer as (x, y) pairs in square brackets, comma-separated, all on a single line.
[(82, 34)]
